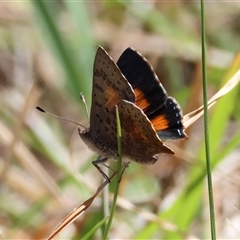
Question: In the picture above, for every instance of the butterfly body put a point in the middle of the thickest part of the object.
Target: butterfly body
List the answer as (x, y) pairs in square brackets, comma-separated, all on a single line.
[(145, 110)]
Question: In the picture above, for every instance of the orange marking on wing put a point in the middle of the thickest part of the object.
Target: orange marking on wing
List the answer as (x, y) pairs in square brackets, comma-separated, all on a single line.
[(141, 100), (160, 123), (112, 98)]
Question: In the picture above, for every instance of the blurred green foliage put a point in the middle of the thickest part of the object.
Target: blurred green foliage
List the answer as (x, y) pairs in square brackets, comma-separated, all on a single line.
[(47, 51)]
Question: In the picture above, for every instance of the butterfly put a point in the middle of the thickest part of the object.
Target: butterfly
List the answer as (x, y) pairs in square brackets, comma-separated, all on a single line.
[(148, 115)]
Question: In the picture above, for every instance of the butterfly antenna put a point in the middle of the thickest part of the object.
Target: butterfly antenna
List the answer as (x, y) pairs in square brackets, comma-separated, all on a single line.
[(85, 104), (62, 118)]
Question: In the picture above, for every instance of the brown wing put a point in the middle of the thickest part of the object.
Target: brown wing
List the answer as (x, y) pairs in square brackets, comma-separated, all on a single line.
[(140, 140), (110, 87)]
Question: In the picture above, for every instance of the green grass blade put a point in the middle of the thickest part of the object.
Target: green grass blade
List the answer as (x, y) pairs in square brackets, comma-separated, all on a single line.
[(94, 229), (206, 124), (118, 178), (76, 79), (84, 43)]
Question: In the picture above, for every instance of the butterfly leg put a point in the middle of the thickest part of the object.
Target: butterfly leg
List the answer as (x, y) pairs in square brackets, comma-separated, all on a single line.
[(124, 166), (105, 165), (98, 161)]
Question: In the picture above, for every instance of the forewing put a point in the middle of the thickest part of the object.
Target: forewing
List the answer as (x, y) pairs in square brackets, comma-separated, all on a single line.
[(167, 121), (110, 87), (163, 111), (150, 94)]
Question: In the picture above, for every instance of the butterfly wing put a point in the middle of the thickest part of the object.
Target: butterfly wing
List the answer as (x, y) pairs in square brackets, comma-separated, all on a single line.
[(140, 141), (163, 111), (110, 87), (150, 94), (167, 121)]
